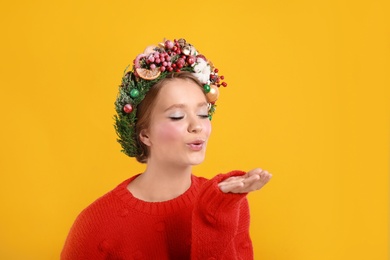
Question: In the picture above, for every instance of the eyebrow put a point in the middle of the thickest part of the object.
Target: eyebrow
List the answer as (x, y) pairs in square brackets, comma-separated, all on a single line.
[(184, 106)]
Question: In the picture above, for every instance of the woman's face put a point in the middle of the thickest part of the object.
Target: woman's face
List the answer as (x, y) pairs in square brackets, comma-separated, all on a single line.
[(179, 127)]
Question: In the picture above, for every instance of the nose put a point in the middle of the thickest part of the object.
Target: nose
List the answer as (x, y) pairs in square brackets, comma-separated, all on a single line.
[(195, 126)]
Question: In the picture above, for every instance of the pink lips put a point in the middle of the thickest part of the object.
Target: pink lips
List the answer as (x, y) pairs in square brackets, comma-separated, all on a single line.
[(196, 145)]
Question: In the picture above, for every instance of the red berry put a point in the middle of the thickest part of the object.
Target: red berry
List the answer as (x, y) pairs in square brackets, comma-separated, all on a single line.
[(162, 68), (222, 77), (170, 69), (224, 84), (216, 70)]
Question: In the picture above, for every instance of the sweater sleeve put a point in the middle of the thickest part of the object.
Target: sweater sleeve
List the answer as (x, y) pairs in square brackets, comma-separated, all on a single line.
[(89, 237), (220, 223), (83, 240)]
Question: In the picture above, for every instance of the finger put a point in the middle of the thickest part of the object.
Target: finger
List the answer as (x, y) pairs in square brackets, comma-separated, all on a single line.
[(264, 179), (265, 176), (251, 180), (255, 185), (255, 171), (231, 180), (230, 187), (248, 184)]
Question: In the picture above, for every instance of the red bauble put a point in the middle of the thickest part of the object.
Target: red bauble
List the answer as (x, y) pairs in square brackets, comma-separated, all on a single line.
[(191, 60), (127, 108)]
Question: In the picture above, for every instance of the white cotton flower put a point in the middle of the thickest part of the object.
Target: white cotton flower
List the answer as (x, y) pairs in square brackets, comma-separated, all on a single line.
[(202, 70), (193, 51)]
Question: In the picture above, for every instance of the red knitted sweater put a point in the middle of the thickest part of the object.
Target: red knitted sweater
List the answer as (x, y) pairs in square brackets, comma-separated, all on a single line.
[(202, 223)]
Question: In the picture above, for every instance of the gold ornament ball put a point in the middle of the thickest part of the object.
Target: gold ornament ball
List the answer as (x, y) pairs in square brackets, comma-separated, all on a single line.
[(213, 95)]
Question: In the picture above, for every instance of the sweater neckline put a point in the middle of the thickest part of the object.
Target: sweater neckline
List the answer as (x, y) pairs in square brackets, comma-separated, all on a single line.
[(158, 208)]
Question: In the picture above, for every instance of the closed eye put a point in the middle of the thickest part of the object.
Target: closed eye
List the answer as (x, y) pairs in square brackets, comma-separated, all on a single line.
[(175, 118), (203, 116)]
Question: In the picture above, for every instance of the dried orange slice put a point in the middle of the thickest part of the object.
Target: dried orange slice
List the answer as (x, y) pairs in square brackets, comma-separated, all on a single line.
[(148, 74)]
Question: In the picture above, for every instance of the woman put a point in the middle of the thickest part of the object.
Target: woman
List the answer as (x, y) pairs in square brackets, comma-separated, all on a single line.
[(164, 107)]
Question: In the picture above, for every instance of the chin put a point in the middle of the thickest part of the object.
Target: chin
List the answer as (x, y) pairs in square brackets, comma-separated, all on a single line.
[(196, 160), (197, 163)]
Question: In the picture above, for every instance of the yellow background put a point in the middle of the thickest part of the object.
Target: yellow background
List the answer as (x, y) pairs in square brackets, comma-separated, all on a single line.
[(308, 100)]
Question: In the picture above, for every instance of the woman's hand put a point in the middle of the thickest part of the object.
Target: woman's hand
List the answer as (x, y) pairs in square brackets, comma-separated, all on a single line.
[(251, 181)]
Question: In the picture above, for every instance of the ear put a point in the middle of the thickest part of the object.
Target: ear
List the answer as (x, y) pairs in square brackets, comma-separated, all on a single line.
[(144, 137)]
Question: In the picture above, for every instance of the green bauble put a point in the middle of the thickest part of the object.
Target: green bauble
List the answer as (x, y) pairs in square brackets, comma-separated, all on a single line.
[(134, 93), (206, 88)]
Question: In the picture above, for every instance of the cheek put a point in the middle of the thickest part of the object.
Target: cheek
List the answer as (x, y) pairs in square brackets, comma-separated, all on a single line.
[(168, 132), (206, 127)]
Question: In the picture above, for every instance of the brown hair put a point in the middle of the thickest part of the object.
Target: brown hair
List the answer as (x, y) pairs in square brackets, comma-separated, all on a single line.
[(144, 109)]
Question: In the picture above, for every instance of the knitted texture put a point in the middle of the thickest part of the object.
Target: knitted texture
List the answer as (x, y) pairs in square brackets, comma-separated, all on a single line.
[(202, 223)]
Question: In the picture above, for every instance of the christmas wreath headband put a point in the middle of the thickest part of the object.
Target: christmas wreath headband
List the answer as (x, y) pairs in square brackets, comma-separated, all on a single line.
[(149, 67)]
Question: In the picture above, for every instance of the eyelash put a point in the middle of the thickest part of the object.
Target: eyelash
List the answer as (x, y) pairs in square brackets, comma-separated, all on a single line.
[(176, 118), (181, 117)]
